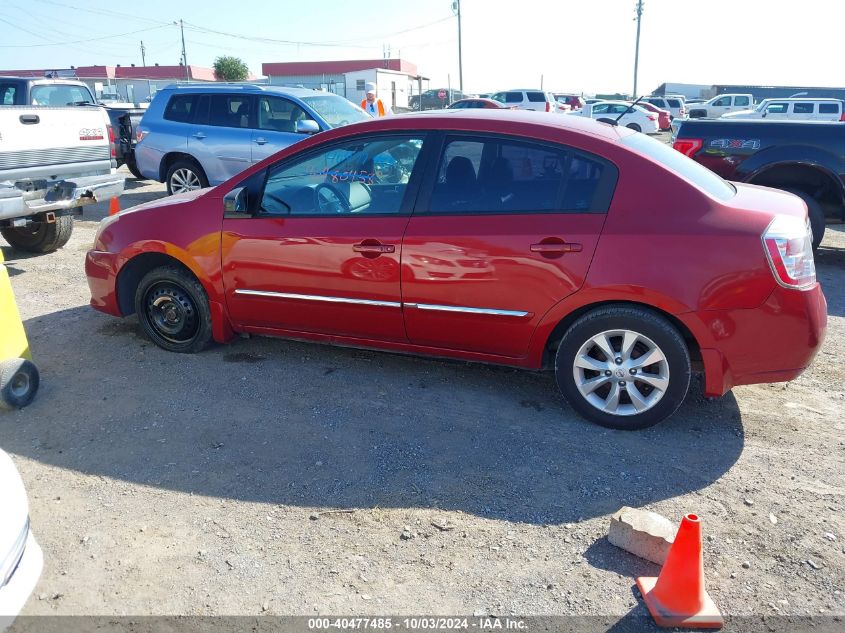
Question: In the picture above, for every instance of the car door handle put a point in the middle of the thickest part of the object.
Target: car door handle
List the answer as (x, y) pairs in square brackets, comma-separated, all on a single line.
[(552, 248), (373, 247), (260, 140), (199, 135), (29, 119)]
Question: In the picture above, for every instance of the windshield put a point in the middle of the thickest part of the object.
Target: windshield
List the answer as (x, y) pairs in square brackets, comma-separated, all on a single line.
[(685, 167), (762, 105), (60, 95), (336, 111)]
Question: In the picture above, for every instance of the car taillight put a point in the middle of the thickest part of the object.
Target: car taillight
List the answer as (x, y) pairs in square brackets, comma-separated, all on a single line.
[(688, 146), (652, 117), (111, 141), (140, 133), (548, 106), (788, 243), (842, 117)]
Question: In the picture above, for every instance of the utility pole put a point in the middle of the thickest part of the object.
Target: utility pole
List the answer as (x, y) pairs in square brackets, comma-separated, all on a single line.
[(184, 55), (143, 58), (637, 51), (456, 8)]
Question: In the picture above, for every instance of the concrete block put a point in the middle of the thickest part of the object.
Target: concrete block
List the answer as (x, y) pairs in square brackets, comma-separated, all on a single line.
[(643, 533)]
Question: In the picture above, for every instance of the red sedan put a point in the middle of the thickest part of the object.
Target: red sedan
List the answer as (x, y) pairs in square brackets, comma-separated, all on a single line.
[(510, 238), (479, 104), (664, 117)]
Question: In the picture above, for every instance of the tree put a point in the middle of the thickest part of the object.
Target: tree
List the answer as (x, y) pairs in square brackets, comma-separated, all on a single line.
[(229, 68)]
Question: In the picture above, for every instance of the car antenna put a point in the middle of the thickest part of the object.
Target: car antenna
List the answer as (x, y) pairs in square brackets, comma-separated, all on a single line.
[(630, 109)]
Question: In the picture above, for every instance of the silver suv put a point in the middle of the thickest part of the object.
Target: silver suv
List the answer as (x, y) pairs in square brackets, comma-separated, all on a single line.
[(539, 100), (197, 135)]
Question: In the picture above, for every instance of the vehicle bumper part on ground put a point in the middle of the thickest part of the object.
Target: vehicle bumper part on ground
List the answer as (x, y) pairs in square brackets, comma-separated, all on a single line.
[(58, 195)]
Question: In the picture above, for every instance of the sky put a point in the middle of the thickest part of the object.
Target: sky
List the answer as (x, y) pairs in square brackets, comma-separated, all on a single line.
[(569, 45)]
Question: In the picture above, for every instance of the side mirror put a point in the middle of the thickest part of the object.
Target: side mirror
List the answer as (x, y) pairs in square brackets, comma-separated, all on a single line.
[(765, 112), (235, 203), (307, 126)]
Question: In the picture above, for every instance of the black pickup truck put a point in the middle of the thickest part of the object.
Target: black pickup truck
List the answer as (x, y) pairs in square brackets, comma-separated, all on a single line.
[(806, 158), (32, 91)]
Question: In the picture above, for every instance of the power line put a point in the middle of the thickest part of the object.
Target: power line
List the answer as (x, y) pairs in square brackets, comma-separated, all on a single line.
[(54, 43), (105, 12)]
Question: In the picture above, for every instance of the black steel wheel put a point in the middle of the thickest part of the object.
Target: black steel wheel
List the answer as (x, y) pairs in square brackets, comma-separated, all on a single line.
[(172, 308)]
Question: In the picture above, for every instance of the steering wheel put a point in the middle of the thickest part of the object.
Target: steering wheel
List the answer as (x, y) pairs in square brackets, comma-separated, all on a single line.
[(330, 200)]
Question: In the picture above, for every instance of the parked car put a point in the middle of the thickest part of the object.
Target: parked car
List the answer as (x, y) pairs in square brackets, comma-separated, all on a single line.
[(537, 100), (675, 105), (802, 157), (721, 104), (797, 109), (196, 135), (664, 117), (479, 103), (21, 559), (431, 99), (313, 243), (54, 159), (575, 102), (622, 113)]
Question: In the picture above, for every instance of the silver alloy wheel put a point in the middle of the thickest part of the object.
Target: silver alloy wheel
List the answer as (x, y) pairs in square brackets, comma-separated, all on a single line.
[(183, 180), (621, 372)]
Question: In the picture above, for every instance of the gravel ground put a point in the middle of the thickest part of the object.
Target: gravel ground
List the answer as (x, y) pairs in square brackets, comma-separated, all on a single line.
[(276, 477)]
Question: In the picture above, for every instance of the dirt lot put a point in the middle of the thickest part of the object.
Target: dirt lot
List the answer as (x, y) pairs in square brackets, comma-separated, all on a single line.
[(276, 477)]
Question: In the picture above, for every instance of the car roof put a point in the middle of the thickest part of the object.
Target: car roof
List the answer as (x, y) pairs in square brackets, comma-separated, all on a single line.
[(501, 121), (290, 91)]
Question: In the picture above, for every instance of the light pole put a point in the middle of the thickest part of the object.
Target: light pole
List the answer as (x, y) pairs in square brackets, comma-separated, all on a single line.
[(637, 51), (456, 8), (184, 55)]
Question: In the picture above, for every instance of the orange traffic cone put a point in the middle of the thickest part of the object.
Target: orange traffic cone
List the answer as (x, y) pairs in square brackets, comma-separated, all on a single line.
[(677, 597), (114, 206)]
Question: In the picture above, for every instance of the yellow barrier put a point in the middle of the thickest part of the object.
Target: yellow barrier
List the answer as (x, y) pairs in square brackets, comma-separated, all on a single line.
[(18, 375)]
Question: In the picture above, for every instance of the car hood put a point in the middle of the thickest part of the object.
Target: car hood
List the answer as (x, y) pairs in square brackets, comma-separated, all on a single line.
[(15, 508), (739, 114)]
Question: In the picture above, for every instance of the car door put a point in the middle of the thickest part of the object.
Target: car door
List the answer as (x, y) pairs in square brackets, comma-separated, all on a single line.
[(719, 107), (802, 111), (741, 102), (318, 248), (276, 123), (220, 136), (504, 229)]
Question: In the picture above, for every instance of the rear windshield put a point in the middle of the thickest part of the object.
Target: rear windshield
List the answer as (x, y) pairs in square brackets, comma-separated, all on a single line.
[(674, 103), (687, 168), (60, 95), (536, 97)]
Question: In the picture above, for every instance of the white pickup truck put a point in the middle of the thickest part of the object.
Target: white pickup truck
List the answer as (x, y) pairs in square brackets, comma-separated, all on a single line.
[(721, 104), (53, 161)]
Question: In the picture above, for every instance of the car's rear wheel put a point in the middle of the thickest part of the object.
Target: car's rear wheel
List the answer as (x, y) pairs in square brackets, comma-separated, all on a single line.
[(172, 308), (185, 175), (635, 127), (132, 166), (623, 367), (40, 237)]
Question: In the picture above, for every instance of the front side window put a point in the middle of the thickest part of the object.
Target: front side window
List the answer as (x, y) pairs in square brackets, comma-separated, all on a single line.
[(724, 101), (280, 115), (513, 97), (180, 108), (367, 176), (7, 94), (777, 108), (803, 108), (229, 110), (60, 95), (493, 175)]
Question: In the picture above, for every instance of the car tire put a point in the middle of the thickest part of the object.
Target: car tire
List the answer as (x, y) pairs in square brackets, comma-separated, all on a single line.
[(635, 127), (816, 215), (172, 307), (185, 175), (659, 388), (40, 237), (19, 382), (698, 114), (132, 166)]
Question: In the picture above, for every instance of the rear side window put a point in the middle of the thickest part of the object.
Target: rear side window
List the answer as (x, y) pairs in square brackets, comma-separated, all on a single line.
[(494, 175), (676, 162), (180, 108), (7, 94), (536, 97), (741, 101), (674, 103), (803, 108), (513, 97), (229, 111), (828, 108)]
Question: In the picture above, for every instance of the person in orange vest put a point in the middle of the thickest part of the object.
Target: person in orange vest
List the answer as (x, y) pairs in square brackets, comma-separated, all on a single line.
[(372, 105)]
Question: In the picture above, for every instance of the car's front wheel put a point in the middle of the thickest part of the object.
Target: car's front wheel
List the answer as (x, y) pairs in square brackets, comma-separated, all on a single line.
[(635, 127), (172, 308), (623, 367)]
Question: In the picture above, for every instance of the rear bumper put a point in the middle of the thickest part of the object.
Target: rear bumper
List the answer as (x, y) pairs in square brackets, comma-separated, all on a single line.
[(101, 271), (15, 593), (774, 342), (58, 195)]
